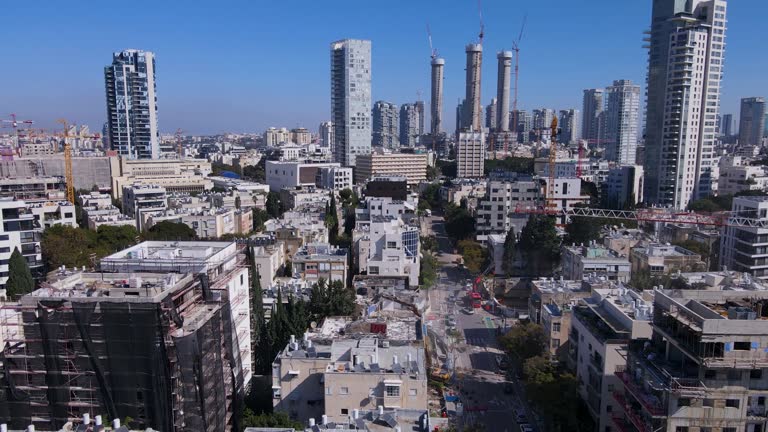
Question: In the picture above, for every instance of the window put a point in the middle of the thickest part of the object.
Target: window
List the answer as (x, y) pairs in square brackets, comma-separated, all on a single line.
[(683, 402), (710, 374), (709, 403), (732, 403), (556, 327), (608, 408), (555, 343), (741, 346), (373, 270), (344, 390), (391, 245), (392, 391), (681, 429), (328, 391), (344, 411), (412, 392)]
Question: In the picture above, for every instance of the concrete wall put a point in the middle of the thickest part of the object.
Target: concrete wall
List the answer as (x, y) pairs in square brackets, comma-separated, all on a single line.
[(86, 171), (367, 391)]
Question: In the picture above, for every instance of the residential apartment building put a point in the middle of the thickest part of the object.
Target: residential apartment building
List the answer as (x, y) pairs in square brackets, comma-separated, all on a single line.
[(495, 211), (301, 197), (316, 261), (580, 261), (601, 328), (269, 257), (570, 125), (386, 125), (386, 246), (132, 105), (49, 214), (161, 334), (273, 137), (301, 136), (291, 174), (212, 223), (745, 248), (411, 124), (34, 189), (142, 201), (741, 178), (659, 259), (346, 366), (470, 155), (752, 121), (325, 132), (622, 122), (490, 115), (19, 231), (351, 99), (704, 366), (592, 109), (411, 165), (624, 186), (470, 189), (334, 178), (685, 69)]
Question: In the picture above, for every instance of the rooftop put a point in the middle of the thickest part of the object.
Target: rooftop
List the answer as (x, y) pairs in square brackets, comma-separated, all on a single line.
[(596, 251), (662, 250)]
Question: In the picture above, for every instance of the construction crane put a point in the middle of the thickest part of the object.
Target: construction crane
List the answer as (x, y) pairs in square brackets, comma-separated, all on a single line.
[(663, 215), (482, 25), (68, 177), (516, 49), (179, 150), (14, 123), (432, 50), (551, 204)]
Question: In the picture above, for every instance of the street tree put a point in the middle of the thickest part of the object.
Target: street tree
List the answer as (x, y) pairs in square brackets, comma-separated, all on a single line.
[(524, 341), (540, 245), (20, 279)]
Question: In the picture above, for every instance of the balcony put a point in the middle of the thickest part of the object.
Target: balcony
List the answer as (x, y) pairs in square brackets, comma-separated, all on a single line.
[(638, 421), (648, 401), (622, 425)]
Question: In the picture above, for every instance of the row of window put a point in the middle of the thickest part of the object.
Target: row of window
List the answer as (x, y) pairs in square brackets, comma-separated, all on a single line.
[(389, 391)]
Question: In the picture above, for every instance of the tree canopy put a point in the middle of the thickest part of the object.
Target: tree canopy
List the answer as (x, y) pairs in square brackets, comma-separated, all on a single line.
[(58, 240), (274, 205), (510, 248), (459, 224), (428, 270), (20, 279), (540, 245), (167, 231), (524, 341), (474, 254)]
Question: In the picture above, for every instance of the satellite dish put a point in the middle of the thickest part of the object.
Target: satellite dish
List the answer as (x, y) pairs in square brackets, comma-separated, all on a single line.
[(313, 325)]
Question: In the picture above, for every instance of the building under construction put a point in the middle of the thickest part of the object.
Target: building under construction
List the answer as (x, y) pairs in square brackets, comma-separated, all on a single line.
[(161, 335)]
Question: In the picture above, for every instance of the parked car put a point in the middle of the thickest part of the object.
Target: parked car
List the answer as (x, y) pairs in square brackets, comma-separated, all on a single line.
[(525, 427)]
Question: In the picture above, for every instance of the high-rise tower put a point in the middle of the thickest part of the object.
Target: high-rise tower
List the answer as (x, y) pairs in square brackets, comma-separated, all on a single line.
[(685, 68), (351, 99), (472, 118), (502, 91), (591, 109), (436, 115), (752, 121), (622, 115), (386, 123), (132, 105)]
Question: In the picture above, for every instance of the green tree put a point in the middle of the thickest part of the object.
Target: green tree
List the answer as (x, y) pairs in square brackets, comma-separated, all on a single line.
[(274, 205), (459, 224), (288, 270), (431, 196), (277, 419), (433, 172), (332, 299), (510, 248), (167, 231), (474, 254), (429, 244), (67, 246), (540, 245), (554, 394), (111, 239), (20, 279), (427, 270), (524, 341), (259, 218)]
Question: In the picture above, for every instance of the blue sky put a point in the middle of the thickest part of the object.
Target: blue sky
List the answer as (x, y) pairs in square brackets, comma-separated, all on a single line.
[(246, 65)]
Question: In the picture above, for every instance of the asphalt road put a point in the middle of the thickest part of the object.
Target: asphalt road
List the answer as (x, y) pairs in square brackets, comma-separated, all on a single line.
[(472, 348)]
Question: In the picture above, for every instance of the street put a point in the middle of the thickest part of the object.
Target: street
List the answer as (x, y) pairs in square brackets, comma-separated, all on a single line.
[(468, 348)]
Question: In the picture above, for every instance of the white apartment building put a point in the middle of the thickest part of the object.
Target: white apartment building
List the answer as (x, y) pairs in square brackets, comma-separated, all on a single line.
[(142, 201), (269, 257), (386, 246), (413, 166), (685, 69), (470, 155), (624, 186), (346, 366), (109, 217), (239, 185), (580, 261), (351, 99), (316, 261), (601, 328), (335, 178), (273, 137), (297, 199), (567, 194), (290, 174), (210, 224), (745, 249), (53, 213), (19, 230), (735, 179), (496, 211), (622, 121)]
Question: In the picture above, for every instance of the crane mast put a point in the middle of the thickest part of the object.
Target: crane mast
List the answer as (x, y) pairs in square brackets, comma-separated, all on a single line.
[(68, 176)]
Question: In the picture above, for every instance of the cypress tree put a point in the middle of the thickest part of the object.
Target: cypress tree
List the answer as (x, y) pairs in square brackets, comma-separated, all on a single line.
[(20, 279)]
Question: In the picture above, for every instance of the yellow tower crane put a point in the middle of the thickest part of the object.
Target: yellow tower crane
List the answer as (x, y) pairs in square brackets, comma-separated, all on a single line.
[(68, 163)]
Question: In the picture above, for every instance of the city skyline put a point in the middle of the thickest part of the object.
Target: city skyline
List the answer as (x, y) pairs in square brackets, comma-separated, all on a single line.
[(241, 91)]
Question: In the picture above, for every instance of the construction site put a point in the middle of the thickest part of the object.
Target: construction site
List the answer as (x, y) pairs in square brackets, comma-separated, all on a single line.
[(160, 335)]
